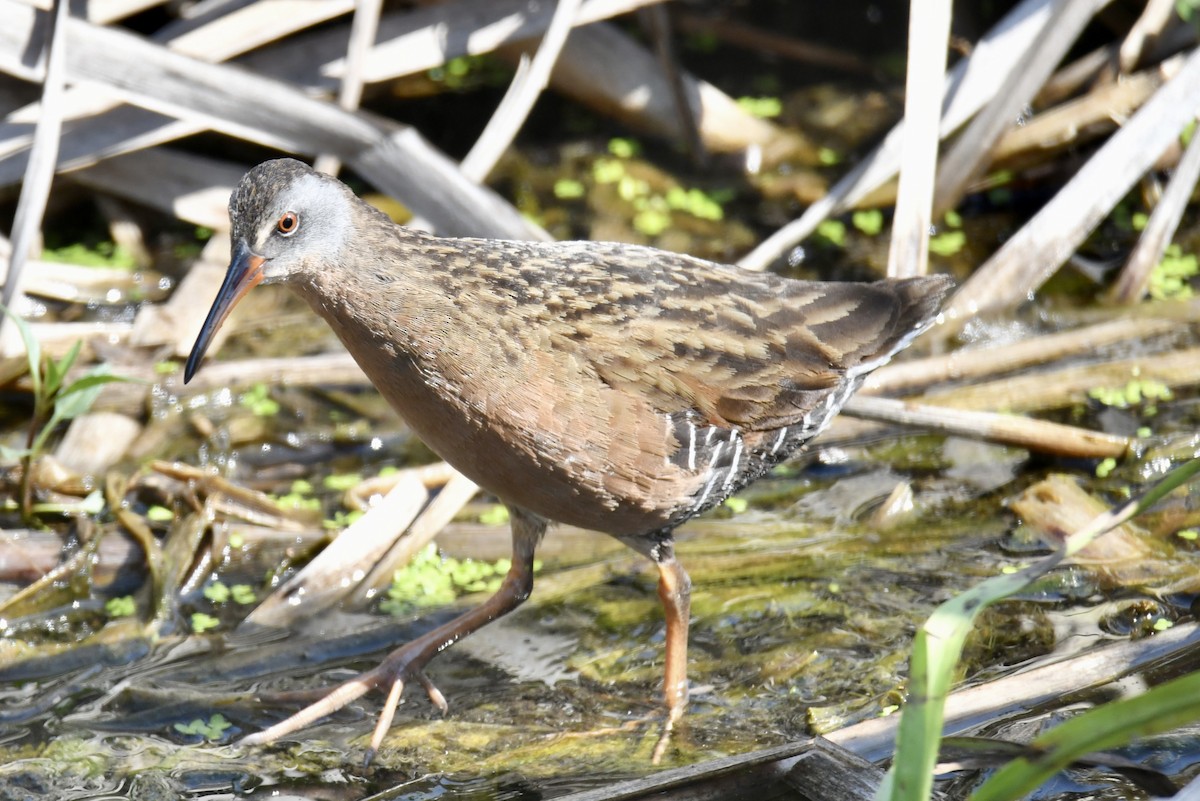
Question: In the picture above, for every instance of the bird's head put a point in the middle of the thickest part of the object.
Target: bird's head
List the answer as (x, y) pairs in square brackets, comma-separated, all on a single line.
[(286, 220)]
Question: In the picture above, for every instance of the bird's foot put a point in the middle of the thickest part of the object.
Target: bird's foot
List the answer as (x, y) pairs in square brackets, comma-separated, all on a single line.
[(408, 662), (642, 723), (674, 715), (403, 664)]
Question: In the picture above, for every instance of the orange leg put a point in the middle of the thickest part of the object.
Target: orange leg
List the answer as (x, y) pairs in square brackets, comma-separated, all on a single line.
[(408, 661), (675, 591)]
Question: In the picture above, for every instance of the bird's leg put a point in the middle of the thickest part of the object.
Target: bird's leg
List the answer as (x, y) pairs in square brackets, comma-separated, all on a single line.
[(409, 660), (675, 592)]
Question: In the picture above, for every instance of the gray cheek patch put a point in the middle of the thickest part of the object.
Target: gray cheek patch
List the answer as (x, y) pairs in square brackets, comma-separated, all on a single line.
[(325, 215), (324, 212)]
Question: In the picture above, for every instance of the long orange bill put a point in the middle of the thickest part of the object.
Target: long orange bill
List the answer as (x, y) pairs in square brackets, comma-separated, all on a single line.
[(245, 273)]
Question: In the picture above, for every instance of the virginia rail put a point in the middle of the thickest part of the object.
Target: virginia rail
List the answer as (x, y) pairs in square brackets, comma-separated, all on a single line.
[(613, 387)]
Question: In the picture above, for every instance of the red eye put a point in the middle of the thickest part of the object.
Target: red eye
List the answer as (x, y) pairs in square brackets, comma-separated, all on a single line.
[(288, 223)]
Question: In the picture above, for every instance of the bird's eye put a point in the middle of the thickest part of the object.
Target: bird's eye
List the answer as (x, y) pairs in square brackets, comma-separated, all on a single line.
[(288, 223)]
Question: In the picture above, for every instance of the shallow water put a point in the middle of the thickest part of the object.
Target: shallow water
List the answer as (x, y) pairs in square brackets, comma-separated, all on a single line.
[(802, 617)]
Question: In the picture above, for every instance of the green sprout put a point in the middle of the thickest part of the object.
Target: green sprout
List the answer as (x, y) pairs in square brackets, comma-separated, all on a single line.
[(187, 251), (695, 202), (91, 504), (869, 221), (212, 729), (219, 593), (340, 482), (1170, 278), (828, 157), (568, 189), (202, 622), (159, 514), (651, 222), (652, 209), (496, 515), (737, 505), (624, 148), (258, 400), (123, 606), (947, 243), (1121, 217), (456, 72), (54, 400), (458, 67), (431, 580), (833, 231), (296, 503), (1189, 130), (342, 519), (1137, 391), (607, 171), (104, 254), (762, 107), (630, 188), (998, 192), (298, 498)]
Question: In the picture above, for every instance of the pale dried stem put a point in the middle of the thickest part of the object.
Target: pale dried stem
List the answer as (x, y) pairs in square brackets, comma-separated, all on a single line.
[(1134, 280), (973, 363), (928, 40), (1003, 429)]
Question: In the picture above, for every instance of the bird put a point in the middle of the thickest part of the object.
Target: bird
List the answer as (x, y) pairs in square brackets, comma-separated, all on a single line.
[(614, 387)]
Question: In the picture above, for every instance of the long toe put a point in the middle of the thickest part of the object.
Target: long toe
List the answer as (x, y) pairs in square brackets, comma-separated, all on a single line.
[(435, 695), (342, 695), (386, 715), (664, 738)]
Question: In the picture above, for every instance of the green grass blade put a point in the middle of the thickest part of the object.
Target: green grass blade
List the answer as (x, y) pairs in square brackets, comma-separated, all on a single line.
[(1161, 709), (33, 350), (56, 371), (75, 400), (936, 650), (939, 643)]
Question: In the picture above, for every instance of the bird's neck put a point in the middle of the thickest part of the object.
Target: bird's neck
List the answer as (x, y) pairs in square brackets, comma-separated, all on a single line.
[(415, 344), (367, 304), (395, 323)]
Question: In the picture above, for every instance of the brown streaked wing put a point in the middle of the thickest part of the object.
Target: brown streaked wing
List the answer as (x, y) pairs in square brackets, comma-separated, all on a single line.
[(755, 351)]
